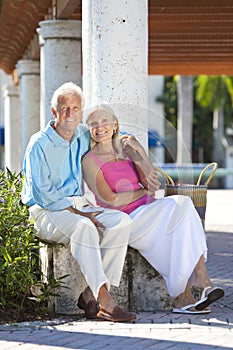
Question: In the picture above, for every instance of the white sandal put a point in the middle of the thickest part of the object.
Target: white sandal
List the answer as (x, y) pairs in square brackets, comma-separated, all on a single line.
[(186, 310), (215, 294)]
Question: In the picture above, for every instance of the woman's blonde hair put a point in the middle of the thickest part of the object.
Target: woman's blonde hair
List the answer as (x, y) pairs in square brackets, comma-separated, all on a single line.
[(115, 137)]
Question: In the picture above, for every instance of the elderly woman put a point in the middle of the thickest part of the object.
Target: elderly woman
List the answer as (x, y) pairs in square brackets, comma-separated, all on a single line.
[(167, 232)]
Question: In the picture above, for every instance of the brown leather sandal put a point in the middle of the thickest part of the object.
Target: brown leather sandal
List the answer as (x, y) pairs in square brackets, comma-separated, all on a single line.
[(117, 315), (90, 308)]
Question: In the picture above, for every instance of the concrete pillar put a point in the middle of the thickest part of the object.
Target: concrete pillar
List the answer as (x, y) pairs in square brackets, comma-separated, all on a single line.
[(4, 80), (12, 128), (29, 97), (156, 120), (185, 119), (60, 59), (115, 60)]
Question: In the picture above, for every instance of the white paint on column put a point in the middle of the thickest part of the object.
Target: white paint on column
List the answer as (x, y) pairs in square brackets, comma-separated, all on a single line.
[(115, 59), (61, 50), (12, 128), (29, 97)]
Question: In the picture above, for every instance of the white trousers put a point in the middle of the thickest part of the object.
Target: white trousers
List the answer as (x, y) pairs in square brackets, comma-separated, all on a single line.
[(169, 234), (101, 260)]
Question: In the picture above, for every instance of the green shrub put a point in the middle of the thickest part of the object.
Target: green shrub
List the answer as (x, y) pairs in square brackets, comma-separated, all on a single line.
[(19, 262), (21, 281)]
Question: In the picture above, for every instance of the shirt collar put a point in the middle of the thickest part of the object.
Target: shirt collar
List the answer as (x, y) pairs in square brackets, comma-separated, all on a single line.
[(57, 139)]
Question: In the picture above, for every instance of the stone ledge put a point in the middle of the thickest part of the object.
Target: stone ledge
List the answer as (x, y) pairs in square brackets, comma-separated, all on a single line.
[(141, 288)]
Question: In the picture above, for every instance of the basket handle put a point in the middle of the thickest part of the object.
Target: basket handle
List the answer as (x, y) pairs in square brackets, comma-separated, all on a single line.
[(166, 176), (214, 165)]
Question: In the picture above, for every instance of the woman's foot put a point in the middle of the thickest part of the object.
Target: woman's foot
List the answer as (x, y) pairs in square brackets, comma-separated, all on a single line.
[(185, 303), (181, 302), (191, 310), (184, 299)]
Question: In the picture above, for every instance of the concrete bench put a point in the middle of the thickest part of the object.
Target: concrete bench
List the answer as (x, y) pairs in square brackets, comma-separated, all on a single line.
[(141, 288)]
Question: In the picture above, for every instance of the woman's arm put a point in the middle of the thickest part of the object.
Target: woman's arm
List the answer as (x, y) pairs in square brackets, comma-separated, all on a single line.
[(96, 182), (146, 171)]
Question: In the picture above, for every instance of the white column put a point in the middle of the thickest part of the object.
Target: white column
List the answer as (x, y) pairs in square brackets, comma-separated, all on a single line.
[(4, 80), (185, 119), (115, 59), (12, 128), (156, 120), (60, 58), (29, 97)]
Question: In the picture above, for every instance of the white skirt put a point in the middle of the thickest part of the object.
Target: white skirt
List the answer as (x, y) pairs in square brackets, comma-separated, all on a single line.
[(169, 235)]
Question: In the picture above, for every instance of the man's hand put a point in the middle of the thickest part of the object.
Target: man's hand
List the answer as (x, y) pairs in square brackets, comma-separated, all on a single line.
[(90, 215)]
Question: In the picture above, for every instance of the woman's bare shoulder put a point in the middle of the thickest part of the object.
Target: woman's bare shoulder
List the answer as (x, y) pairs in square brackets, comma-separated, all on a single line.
[(87, 159)]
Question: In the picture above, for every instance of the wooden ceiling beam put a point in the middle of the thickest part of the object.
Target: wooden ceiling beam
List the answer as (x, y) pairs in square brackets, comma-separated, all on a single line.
[(191, 68), (66, 8)]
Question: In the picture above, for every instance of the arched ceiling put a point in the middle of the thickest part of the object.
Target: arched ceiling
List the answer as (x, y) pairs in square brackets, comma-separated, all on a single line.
[(18, 22), (185, 37)]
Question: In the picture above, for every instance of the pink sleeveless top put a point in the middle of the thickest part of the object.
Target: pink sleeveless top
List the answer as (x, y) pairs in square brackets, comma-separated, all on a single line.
[(121, 176)]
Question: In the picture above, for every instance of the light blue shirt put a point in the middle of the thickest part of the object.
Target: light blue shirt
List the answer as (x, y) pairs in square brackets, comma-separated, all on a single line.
[(52, 168)]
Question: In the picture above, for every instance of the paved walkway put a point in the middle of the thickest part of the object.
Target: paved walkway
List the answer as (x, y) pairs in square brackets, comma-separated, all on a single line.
[(159, 330)]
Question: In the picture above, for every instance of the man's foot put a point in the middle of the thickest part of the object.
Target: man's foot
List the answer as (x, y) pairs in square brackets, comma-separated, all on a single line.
[(117, 315), (90, 307), (109, 310)]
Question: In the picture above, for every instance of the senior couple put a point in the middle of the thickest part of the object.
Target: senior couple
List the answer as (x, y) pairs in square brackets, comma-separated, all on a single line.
[(167, 232)]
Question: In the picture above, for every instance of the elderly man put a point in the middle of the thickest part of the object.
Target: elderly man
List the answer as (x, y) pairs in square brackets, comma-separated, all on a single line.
[(53, 189)]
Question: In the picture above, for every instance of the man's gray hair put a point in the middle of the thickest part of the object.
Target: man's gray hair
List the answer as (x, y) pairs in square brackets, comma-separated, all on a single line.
[(67, 89)]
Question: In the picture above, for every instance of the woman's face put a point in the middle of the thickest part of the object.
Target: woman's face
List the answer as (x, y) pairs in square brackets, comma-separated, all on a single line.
[(102, 126)]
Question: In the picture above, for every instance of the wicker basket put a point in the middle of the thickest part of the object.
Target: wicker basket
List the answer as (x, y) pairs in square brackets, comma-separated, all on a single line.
[(198, 192)]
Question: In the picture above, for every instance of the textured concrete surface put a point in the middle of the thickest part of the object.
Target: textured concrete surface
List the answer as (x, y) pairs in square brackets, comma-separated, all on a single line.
[(141, 287)]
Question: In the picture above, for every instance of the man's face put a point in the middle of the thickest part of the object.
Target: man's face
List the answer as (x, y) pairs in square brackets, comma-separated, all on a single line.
[(69, 113)]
